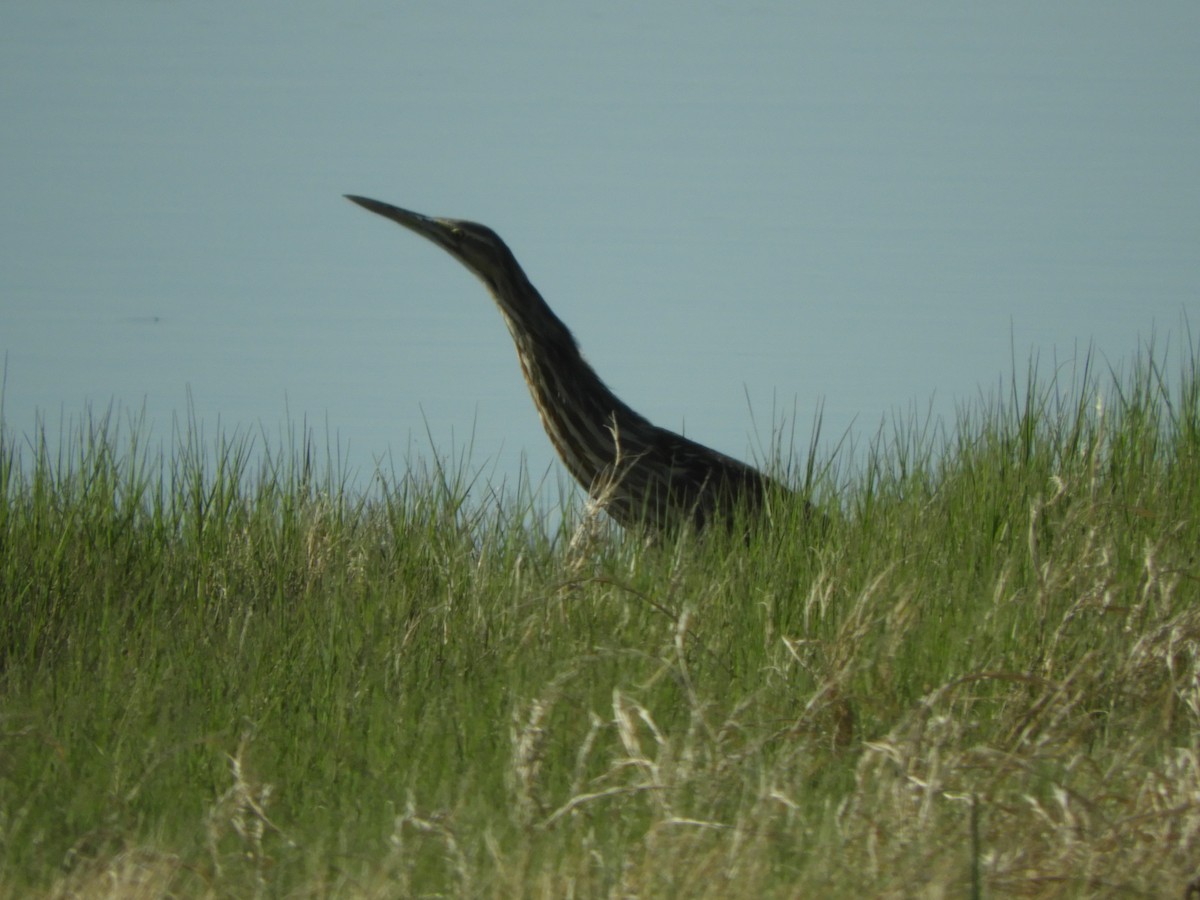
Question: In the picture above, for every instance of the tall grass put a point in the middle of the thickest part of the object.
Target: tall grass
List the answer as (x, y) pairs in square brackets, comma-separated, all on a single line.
[(224, 673)]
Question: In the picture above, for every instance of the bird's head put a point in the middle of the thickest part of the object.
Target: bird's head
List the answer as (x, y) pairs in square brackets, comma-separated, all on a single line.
[(475, 246)]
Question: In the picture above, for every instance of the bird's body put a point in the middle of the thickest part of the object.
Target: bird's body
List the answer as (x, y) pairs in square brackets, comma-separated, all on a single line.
[(642, 474)]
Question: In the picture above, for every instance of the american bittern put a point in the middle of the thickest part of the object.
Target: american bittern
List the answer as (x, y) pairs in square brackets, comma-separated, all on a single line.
[(642, 474)]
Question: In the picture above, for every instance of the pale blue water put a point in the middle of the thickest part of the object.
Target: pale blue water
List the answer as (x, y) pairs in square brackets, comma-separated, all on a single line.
[(733, 207)]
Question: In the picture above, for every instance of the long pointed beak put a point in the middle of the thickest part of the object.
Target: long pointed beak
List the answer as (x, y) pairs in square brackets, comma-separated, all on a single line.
[(405, 217), (436, 230), (454, 237)]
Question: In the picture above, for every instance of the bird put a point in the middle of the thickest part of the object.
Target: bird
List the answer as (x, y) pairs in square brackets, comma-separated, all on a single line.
[(643, 476)]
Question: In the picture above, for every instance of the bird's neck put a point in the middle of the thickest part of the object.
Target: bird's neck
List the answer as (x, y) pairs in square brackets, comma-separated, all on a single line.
[(589, 426)]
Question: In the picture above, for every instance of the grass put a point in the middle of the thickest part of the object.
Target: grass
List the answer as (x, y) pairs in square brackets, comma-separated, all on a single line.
[(223, 673)]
